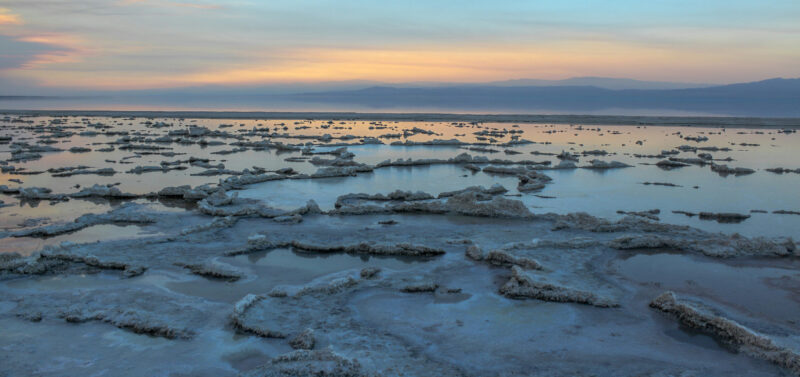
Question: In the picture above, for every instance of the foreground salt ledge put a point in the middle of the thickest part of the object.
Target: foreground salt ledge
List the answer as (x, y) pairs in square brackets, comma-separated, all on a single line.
[(781, 350)]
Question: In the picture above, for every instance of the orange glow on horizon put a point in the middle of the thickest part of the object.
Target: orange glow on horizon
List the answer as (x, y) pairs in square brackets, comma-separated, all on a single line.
[(464, 64)]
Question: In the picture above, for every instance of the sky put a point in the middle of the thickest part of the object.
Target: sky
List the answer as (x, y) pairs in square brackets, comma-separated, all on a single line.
[(53, 46)]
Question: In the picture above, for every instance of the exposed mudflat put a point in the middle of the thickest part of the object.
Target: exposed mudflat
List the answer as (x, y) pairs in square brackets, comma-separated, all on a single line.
[(222, 247)]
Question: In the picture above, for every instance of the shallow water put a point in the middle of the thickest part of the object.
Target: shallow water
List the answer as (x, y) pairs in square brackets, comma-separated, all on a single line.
[(598, 192), (467, 323), (281, 267), (745, 288), (300, 104)]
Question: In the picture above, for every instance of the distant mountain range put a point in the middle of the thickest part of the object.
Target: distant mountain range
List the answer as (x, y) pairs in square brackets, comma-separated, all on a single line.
[(301, 87), (581, 95), (326, 86), (601, 82), (770, 98)]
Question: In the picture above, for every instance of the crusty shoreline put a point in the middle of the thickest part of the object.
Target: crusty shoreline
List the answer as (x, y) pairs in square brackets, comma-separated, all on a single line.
[(621, 120)]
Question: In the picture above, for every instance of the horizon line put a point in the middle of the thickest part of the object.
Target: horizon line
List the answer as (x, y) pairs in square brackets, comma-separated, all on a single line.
[(623, 120)]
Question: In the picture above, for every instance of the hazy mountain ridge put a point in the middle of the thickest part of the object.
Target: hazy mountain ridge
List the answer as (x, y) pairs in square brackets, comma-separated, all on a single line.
[(326, 86), (768, 98), (601, 82), (773, 97)]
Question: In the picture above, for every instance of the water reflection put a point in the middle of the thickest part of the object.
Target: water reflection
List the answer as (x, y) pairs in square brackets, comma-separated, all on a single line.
[(598, 192)]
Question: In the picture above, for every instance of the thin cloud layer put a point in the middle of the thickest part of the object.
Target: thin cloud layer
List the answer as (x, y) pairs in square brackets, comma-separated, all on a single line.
[(8, 18), (141, 44)]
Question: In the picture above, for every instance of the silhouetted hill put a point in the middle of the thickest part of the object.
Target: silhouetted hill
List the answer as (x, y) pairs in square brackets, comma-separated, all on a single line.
[(772, 98), (601, 82)]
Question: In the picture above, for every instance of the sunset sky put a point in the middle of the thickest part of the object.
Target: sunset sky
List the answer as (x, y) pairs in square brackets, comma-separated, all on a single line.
[(146, 44)]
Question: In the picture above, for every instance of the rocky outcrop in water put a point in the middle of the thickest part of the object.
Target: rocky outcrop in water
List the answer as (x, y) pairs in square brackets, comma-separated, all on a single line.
[(126, 214), (706, 319), (712, 245), (525, 285)]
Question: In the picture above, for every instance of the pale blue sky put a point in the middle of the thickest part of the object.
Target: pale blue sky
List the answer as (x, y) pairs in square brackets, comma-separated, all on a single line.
[(120, 44)]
